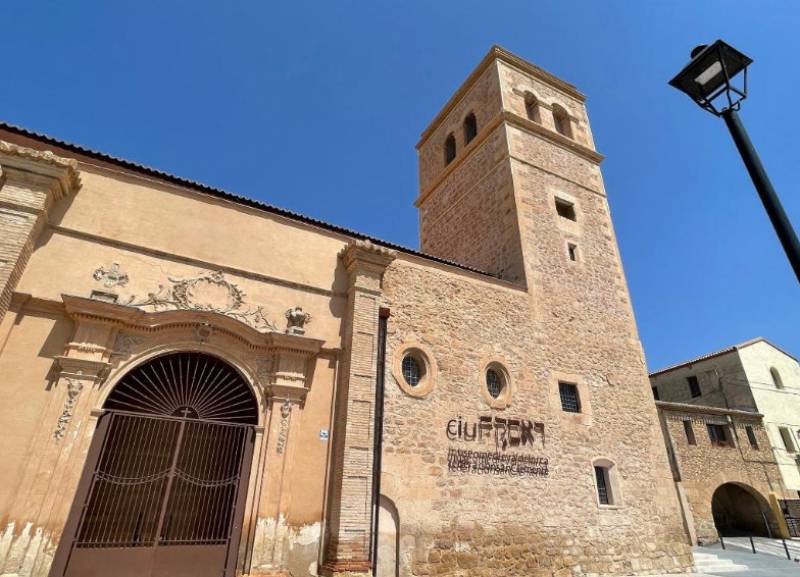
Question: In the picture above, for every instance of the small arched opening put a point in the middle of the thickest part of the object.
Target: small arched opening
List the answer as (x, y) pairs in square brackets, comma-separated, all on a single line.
[(741, 510), (532, 107), (388, 554), (561, 121), (449, 149), (470, 128), (776, 378)]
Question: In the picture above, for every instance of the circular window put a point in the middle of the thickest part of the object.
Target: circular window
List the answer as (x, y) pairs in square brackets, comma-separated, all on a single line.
[(495, 383), (414, 369)]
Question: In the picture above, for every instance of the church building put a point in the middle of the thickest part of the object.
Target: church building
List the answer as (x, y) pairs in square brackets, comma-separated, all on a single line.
[(199, 384)]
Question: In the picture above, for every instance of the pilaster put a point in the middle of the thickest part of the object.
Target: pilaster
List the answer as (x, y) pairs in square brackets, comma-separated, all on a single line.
[(349, 519), (31, 181)]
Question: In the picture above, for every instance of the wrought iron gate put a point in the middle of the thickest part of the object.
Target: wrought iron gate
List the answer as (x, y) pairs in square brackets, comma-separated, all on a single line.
[(163, 494)]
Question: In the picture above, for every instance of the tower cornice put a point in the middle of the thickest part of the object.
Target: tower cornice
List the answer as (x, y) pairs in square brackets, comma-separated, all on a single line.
[(499, 53)]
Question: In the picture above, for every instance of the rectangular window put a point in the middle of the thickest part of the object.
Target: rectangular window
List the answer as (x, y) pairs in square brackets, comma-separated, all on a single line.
[(788, 442), (603, 492), (572, 251), (751, 436), (689, 430), (718, 435), (655, 394), (570, 402), (694, 386), (566, 209)]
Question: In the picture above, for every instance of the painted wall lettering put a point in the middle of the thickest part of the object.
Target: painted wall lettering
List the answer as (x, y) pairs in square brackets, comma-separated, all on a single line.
[(487, 462), (504, 433)]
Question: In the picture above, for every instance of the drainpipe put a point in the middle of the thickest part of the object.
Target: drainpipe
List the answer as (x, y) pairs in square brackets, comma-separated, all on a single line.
[(377, 452)]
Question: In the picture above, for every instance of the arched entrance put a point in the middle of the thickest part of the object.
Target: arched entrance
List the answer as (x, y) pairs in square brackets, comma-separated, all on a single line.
[(741, 510), (163, 490)]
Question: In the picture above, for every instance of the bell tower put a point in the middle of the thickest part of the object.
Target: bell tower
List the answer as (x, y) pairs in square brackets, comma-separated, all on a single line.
[(509, 178)]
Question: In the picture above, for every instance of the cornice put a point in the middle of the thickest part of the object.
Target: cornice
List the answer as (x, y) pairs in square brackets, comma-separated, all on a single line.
[(554, 137), (43, 162), (520, 122), (498, 53), (81, 308), (667, 406), (363, 253)]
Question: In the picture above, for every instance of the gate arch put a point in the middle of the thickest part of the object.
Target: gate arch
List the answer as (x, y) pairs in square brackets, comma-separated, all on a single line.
[(738, 509), (164, 485)]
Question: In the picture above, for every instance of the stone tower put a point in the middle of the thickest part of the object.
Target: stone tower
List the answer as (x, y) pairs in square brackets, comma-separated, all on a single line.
[(509, 179)]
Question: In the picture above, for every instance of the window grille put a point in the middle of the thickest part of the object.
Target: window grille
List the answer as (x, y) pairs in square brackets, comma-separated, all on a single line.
[(569, 397), (411, 370), (603, 494), (494, 383)]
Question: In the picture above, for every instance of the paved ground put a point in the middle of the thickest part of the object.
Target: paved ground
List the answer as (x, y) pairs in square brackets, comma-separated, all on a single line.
[(770, 560)]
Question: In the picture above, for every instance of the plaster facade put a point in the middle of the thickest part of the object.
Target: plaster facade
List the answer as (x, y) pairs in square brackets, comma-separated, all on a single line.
[(100, 277)]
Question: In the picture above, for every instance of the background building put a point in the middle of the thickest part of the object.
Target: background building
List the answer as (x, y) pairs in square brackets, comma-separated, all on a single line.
[(754, 376), (196, 383)]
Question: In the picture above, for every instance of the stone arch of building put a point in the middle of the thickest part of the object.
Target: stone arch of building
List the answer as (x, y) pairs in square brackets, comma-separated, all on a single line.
[(184, 344), (739, 509), (389, 557)]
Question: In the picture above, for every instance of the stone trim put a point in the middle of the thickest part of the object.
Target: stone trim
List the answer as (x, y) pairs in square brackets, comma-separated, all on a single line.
[(42, 162), (507, 394), (422, 352)]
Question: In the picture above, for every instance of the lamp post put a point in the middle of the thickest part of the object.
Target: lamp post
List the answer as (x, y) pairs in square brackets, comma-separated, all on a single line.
[(707, 79)]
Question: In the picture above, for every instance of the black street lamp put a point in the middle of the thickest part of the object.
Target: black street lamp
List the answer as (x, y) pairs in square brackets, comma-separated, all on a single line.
[(707, 79)]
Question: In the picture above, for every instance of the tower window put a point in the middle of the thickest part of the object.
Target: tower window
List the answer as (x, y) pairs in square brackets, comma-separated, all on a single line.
[(655, 393), (449, 149), (570, 401), (412, 370), (751, 436), (689, 430), (776, 378), (566, 209), (603, 485), (561, 121), (532, 107), (572, 251), (494, 383), (470, 128), (694, 386)]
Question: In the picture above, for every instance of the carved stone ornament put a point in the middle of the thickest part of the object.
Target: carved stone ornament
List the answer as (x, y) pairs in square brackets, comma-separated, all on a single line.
[(111, 276), (203, 332), (73, 390), (296, 320), (125, 344), (286, 410), (209, 292)]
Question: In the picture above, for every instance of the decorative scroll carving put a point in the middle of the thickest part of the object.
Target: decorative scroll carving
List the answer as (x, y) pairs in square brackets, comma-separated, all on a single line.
[(125, 344), (286, 410), (296, 320), (111, 276), (74, 388), (207, 292)]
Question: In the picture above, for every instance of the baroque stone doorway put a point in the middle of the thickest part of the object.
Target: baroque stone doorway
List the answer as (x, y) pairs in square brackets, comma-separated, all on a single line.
[(741, 510), (164, 484)]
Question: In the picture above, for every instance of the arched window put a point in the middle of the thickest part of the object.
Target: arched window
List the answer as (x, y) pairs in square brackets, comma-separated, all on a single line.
[(776, 377), (470, 128), (449, 149), (562, 121), (532, 107), (606, 483)]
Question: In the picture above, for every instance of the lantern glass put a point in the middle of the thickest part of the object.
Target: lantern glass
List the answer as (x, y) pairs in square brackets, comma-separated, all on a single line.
[(712, 79)]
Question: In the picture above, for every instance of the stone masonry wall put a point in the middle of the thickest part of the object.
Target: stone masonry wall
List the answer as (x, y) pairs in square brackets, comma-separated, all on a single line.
[(703, 467), (458, 523)]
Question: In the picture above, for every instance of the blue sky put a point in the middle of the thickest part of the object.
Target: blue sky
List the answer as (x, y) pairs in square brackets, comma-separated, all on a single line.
[(316, 107)]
